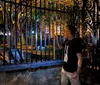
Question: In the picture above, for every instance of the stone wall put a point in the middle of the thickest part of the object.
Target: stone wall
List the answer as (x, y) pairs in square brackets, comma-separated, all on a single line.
[(43, 76)]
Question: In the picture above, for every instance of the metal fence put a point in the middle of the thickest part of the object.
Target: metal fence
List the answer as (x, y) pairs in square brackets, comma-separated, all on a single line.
[(33, 30)]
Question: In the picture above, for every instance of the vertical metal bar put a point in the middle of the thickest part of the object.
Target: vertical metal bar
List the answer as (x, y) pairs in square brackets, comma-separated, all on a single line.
[(10, 28), (94, 49), (56, 35), (53, 53), (81, 18), (61, 19), (97, 33), (98, 18), (96, 24), (54, 45), (52, 31), (4, 35), (53, 37), (36, 37), (40, 29), (45, 28), (56, 22), (15, 35), (94, 15), (45, 38), (26, 32), (98, 13), (20, 35), (31, 33), (73, 12), (49, 35)]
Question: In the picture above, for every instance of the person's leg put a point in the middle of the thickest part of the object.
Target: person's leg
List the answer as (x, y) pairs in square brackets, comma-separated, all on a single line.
[(64, 78), (75, 81)]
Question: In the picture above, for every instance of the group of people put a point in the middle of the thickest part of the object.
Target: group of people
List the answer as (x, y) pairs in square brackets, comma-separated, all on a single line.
[(72, 65)]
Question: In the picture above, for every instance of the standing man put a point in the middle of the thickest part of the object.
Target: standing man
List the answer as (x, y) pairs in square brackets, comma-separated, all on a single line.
[(72, 58)]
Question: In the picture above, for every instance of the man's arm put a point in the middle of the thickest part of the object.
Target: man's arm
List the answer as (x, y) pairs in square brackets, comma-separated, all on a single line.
[(79, 63)]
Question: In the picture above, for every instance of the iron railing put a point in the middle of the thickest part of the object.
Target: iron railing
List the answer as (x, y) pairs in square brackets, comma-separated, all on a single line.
[(33, 30)]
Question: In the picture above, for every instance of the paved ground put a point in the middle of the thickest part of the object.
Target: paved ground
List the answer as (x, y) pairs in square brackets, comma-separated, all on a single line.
[(42, 76)]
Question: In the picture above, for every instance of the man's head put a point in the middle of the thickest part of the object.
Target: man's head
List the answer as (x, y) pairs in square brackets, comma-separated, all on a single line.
[(70, 31)]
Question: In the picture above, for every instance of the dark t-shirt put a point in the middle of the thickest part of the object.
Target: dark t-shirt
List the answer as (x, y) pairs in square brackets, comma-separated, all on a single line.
[(74, 47)]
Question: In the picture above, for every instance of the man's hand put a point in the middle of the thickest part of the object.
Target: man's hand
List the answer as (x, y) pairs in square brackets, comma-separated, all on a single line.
[(74, 75)]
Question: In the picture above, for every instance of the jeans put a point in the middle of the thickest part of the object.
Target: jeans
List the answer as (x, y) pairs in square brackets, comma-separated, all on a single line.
[(67, 76)]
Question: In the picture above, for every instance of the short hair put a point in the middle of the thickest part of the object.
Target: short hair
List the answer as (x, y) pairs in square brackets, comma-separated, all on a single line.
[(72, 29)]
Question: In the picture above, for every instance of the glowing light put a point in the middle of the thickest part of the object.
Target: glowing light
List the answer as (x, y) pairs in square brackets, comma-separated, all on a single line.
[(33, 32), (58, 30), (47, 29), (9, 33), (1, 33), (6, 34)]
